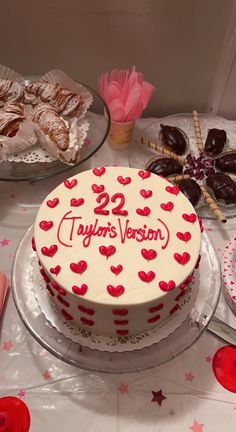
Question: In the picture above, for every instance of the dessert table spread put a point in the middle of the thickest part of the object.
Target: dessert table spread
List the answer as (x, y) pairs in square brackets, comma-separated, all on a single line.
[(181, 395)]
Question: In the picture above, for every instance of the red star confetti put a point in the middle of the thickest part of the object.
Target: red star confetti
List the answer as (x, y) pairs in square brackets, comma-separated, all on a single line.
[(7, 346), (189, 377), (21, 394), (46, 375), (123, 388), (158, 397), (4, 242), (197, 427), (208, 359)]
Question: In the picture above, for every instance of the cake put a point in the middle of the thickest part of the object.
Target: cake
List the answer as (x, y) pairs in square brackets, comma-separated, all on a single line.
[(117, 248)]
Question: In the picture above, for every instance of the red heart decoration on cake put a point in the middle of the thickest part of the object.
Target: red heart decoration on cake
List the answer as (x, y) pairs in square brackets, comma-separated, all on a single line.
[(120, 312), (124, 180), (45, 276), (53, 203), (156, 308), (173, 189), (33, 244), (148, 254), (143, 212), (189, 217), (144, 174), (115, 291), (167, 286), (167, 206), (146, 193), (122, 332), (117, 269), (76, 202), (121, 322), (80, 290), (153, 319), (182, 259), (66, 315), (87, 321), (99, 171), (107, 251), (98, 189), (79, 267), (146, 277), (50, 252), (70, 184), (63, 301), (86, 310), (55, 270), (46, 225), (184, 236)]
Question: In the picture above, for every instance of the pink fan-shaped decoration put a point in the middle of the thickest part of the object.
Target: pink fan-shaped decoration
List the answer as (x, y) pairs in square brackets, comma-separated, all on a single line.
[(126, 93)]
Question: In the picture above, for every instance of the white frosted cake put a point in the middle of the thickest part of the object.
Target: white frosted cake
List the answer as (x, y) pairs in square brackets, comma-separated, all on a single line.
[(117, 247)]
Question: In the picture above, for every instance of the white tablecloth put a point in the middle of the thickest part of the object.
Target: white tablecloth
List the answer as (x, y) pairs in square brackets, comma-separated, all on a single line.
[(182, 395)]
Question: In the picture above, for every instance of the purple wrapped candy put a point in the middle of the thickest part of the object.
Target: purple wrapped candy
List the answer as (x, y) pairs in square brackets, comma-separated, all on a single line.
[(164, 166), (227, 162), (223, 187), (215, 142), (174, 139), (191, 190)]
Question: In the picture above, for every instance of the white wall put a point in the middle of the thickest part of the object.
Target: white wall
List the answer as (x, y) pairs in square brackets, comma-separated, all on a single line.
[(176, 43)]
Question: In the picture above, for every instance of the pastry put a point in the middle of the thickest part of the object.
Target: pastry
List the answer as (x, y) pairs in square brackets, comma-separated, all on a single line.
[(117, 249), (10, 91), (11, 115)]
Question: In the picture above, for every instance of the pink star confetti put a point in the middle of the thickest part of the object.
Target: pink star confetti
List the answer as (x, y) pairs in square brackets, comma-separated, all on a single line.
[(4, 242), (189, 377), (158, 397), (7, 346), (208, 359), (87, 142), (21, 394), (123, 388), (46, 375), (197, 427)]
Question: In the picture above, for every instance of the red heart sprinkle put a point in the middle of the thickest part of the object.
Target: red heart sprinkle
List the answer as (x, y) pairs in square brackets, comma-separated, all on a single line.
[(232, 283), (53, 203), (70, 184), (184, 236), (76, 202), (167, 286), (181, 294), (121, 322), (116, 270), (146, 193), (182, 259), (99, 171), (98, 189), (124, 180), (79, 267), (143, 212), (174, 309), (63, 301), (86, 310), (173, 189), (148, 254), (120, 312), (144, 174), (50, 252), (80, 290), (122, 332), (146, 277), (167, 206), (55, 270), (86, 321), (33, 244), (46, 225), (107, 251), (66, 315), (153, 319), (45, 276), (189, 217), (115, 291), (156, 308)]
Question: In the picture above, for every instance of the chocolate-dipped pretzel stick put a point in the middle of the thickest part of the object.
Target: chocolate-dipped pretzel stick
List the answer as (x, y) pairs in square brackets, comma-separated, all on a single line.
[(176, 178), (197, 130), (162, 150), (213, 206)]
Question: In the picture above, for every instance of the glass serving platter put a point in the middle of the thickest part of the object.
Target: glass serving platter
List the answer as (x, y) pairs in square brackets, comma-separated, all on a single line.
[(140, 154), (39, 170), (116, 362)]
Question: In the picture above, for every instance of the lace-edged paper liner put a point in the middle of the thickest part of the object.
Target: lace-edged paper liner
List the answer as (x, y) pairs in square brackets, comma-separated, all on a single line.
[(107, 343), (229, 273)]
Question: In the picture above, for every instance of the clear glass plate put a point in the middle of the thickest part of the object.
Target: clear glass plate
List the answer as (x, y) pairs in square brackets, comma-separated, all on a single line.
[(116, 362), (22, 171), (140, 154)]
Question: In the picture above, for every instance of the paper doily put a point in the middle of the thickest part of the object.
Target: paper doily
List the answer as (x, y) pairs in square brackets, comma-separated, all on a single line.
[(109, 343), (228, 265)]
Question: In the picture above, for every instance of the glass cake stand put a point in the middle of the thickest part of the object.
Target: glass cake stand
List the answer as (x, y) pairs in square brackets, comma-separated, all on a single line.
[(116, 362), (38, 170), (140, 154)]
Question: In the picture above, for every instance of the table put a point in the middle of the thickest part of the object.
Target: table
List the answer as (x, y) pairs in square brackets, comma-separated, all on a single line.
[(182, 395)]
